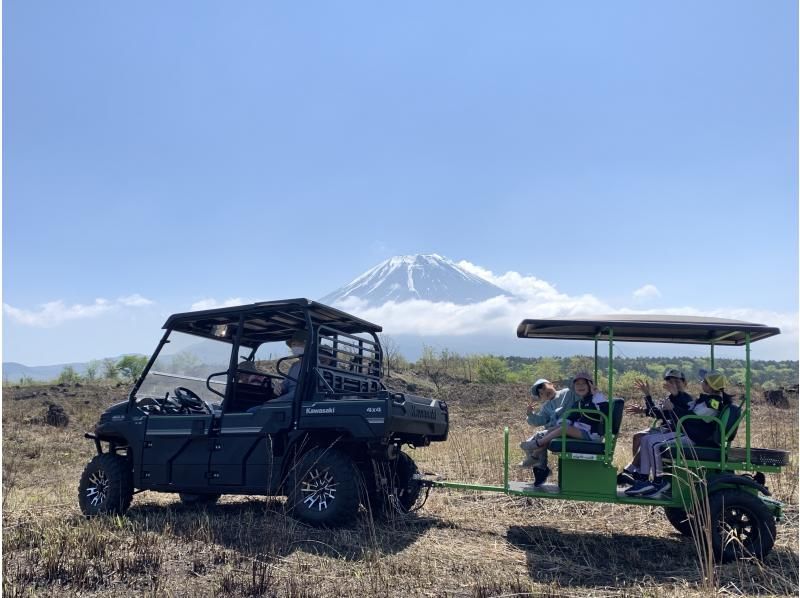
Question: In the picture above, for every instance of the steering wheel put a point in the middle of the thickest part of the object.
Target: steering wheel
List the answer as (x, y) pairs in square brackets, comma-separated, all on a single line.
[(190, 400)]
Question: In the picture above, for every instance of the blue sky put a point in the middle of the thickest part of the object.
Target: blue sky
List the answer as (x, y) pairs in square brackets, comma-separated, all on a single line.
[(156, 155)]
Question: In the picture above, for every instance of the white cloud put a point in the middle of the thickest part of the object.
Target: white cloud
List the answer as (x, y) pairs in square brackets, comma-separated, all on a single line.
[(535, 298), (135, 300), (212, 303), (57, 312), (648, 291)]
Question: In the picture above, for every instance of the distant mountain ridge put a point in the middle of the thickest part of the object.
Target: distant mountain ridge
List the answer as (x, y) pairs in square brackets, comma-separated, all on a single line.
[(420, 276)]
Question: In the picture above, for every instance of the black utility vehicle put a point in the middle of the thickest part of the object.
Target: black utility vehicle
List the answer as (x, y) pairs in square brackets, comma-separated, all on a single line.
[(221, 409)]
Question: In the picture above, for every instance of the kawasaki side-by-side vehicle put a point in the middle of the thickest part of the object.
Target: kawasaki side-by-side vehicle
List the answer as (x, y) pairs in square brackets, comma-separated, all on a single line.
[(719, 492), (220, 408)]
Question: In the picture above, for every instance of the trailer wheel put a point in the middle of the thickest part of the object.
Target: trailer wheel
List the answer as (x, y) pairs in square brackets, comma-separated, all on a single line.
[(679, 520), (198, 499), (323, 488), (742, 525), (106, 486)]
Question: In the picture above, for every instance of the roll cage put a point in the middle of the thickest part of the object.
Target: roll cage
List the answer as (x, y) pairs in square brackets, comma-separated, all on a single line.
[(248, 326)]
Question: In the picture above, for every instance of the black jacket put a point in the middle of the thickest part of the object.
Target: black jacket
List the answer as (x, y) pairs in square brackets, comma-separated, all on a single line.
[(701, 432), (591, 421), (680, 406)]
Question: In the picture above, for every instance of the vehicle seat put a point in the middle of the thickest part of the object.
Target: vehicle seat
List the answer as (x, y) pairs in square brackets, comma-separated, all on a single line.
[(594, 447)]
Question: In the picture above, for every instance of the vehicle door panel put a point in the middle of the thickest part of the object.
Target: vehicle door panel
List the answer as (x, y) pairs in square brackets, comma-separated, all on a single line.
[(242, 452), (176, 450)]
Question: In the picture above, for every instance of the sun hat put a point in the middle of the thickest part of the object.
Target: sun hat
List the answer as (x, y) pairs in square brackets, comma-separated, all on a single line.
[(714, 378), (585, 375), (537, 385), (674, 373)]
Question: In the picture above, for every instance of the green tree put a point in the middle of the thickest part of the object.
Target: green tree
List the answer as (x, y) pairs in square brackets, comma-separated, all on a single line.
[(110, 369), (68, 375), (548, 368), (492, 370), (131, 366), (91, 370)]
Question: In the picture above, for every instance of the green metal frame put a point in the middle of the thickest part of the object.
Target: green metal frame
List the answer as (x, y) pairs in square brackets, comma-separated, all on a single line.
[(592, 478)]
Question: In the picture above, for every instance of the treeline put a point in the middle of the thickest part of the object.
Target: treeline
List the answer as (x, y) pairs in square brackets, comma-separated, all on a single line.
[(445, 366), (125, 369), (442, 366)]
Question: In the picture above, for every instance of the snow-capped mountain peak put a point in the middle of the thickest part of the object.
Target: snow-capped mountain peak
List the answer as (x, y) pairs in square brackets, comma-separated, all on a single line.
[(421, 276)]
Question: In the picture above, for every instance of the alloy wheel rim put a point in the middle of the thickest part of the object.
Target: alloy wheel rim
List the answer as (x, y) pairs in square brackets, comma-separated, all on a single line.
[(738, 526), (318, 490), (97, 491)]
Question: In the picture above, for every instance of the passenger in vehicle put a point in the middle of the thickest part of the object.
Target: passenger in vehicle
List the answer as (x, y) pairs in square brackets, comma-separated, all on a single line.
[(674, 406), (555, 403), (581, 425), (248, 373), (297, 345), (694, 432)]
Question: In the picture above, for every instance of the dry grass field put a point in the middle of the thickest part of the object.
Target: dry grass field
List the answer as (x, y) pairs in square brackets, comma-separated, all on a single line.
[(458, 544)]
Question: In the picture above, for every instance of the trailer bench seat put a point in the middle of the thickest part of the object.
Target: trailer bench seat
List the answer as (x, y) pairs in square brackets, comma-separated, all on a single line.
[(590, 447), (593, 447), (758, 456)]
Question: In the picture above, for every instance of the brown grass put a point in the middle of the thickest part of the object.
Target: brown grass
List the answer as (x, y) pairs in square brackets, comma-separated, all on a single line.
[(459, 544)]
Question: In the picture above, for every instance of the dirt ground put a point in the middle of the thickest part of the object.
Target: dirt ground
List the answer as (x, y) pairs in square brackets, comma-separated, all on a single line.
[(459, 544)]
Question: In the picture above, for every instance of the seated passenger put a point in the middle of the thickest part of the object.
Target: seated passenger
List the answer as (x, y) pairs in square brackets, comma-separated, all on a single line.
[(297, 345), (586, 425), (547, 415), (674, 406), (248, 373), (698, 432)]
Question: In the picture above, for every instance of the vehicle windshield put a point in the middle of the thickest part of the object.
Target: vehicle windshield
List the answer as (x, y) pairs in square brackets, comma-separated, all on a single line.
[(187, 361)]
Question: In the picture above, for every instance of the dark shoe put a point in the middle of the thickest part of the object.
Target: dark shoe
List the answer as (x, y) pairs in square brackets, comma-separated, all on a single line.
[(625, 478), (661, 490), (640, 488), (540, 475)]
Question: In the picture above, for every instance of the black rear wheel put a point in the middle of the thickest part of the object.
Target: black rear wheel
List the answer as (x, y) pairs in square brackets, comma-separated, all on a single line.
[(742, 526), (323, 488), (106, 486)]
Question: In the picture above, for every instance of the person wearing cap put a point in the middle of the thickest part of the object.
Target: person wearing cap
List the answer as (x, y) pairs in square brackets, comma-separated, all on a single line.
[(673, 407), (555, 402), (693, 432), (586, 424), (297, 345)]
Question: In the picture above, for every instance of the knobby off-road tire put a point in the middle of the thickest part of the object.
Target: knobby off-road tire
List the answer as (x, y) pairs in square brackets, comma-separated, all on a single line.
[(402, 487), (742, 526), (323, 488), (198, 499), (679, 520), (106, 486)]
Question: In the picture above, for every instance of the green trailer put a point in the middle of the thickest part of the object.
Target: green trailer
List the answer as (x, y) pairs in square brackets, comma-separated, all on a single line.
[(719, 493)]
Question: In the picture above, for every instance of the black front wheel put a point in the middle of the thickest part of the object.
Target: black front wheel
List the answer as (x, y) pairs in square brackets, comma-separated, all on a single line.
[(742, 526), (323, 488), (106, 486)]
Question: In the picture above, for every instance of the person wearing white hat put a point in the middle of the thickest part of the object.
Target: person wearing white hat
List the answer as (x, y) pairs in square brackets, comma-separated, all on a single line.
[(547, 414)]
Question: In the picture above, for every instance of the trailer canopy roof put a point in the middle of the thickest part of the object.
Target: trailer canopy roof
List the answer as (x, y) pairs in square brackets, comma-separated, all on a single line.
[(647, 329), (266, 321)]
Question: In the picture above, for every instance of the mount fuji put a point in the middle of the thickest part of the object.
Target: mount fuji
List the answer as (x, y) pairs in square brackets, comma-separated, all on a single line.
[(422, 276)]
